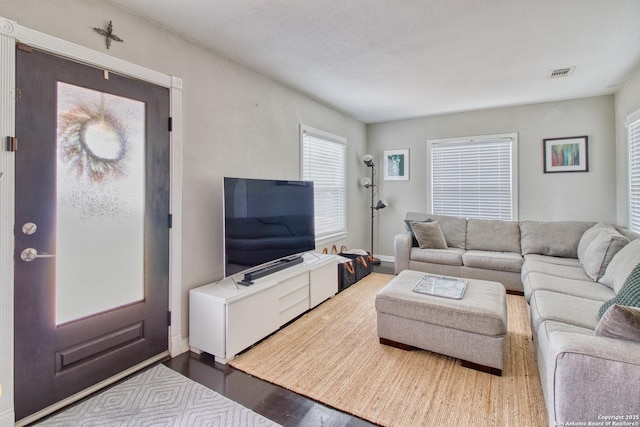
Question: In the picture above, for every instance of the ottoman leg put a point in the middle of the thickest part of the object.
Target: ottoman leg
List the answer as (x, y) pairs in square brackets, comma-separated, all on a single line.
[(481, 368), (396, 344)]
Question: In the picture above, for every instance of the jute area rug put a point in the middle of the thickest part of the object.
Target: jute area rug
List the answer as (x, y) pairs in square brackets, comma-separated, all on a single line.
[(158, 397), (332, 355)]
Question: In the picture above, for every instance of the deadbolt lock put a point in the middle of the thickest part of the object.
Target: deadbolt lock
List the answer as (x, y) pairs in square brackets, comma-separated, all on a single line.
[(29, 228)]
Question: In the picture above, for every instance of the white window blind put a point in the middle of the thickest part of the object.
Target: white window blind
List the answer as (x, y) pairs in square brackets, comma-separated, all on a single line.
[(473, 177), (633, 132), (324, 162)]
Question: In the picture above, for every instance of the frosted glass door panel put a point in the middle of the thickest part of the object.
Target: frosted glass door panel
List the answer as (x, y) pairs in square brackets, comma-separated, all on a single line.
[(100, 202)]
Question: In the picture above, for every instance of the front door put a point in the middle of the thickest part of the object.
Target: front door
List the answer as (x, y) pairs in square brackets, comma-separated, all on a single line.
[(91, 231)]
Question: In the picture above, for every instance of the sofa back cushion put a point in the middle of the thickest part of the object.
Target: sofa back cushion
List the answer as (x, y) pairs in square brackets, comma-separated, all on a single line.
[(631, 235), (453, 228), (621, 266), (557, 238), (493, 235), (597, 247)]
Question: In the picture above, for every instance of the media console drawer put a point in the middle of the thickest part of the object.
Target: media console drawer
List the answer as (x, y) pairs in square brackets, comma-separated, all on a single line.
[(293, 284), (294, 297)]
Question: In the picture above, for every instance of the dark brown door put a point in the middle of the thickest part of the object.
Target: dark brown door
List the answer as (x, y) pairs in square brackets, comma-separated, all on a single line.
[(91, 231)]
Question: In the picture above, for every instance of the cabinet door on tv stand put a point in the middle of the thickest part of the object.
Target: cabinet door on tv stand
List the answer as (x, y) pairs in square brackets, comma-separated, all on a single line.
[(324, 283), (251, 319)]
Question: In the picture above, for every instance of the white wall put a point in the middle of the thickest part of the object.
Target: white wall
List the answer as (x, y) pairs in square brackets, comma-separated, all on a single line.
[(587, 196), (236, 122), (627, 101)]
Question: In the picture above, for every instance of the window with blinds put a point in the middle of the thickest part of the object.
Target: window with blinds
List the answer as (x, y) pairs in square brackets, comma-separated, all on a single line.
[(633, 135), (473, 177), (323, 161)]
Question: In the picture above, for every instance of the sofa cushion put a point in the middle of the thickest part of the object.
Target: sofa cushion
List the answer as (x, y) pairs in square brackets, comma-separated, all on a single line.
[(620, 322), (490, 260), (429, 235), (621, 266), (552, 260), (453, 228), (569, 271), (493, 235), (631, 235), (536, 281), (558, 238), (570, 309), (551, 326), (629, 294), (451, 256), (597, 247)]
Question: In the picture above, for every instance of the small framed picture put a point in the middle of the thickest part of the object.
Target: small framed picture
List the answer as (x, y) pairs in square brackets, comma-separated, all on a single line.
[(396, 165), (566, 154)]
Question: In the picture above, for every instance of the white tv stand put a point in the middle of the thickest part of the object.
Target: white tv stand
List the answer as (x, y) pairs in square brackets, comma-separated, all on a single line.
[(226, 318)]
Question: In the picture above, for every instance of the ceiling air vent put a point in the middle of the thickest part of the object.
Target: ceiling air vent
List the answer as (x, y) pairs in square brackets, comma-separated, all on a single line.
[(561, 72)]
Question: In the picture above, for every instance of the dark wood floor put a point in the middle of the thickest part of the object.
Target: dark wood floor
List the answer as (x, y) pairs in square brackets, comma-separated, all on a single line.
[(274, 402)]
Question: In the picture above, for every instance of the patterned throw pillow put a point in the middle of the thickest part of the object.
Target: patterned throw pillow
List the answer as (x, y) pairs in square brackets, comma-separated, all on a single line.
[(629, 294)]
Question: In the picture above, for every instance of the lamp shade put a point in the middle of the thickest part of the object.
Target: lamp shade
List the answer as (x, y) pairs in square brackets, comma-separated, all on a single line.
[(368, 160), (365, 182), (381, 204)]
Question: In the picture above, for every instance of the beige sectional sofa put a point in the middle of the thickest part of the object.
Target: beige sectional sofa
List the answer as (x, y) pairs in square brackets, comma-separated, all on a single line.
[(589, 366)]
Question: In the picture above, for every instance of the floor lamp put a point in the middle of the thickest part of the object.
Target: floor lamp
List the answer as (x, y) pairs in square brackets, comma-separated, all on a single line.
[(368, 183)]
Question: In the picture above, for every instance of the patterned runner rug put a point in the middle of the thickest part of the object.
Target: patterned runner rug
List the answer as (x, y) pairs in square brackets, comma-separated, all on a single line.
[(158, 397)]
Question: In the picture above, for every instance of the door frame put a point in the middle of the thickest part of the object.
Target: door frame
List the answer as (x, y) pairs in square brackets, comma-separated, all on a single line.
[(10, 32)]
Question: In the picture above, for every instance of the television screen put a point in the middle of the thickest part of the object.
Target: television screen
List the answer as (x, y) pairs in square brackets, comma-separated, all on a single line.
[(266, 220)]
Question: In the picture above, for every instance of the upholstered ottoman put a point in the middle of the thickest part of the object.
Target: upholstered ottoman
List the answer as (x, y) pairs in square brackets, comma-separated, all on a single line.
[(472, 329)]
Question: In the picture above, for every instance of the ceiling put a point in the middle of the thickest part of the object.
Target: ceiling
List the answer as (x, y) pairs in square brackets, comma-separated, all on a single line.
[(383, 60)]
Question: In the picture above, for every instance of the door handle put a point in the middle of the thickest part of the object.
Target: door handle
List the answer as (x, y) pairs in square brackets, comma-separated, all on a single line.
[(30, 254)]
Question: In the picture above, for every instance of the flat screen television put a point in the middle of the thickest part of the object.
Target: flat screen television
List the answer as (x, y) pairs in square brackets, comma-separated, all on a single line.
[(266, 221)]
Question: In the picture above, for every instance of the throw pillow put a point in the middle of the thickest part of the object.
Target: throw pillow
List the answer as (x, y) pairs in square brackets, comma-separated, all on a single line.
[(595, 258), (589, 236), (629, 294), (620, 322), (407, 224), (429, 235), (621, 266)]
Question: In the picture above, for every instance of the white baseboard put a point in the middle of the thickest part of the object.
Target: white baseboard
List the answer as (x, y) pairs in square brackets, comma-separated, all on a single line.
[(386, 258), (178, 345), (7, 418), (185, 345)]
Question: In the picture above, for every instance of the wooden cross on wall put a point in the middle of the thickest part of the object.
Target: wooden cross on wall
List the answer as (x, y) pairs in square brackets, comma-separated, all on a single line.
[(108, 34)]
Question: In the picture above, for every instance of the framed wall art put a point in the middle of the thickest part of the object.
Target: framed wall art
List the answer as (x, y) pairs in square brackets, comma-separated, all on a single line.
[(396, 165), (566, 154)]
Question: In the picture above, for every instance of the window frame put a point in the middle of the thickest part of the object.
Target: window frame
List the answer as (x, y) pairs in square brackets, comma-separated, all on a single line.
[(338, 232), (513, 137), (632, 126)]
